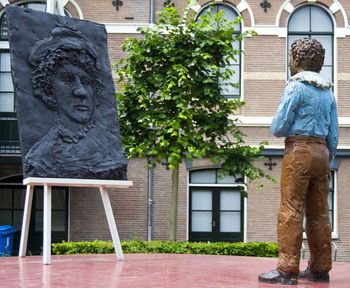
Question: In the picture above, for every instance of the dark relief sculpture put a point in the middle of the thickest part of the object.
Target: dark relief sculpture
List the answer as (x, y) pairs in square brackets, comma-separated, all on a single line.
[(66, 105)]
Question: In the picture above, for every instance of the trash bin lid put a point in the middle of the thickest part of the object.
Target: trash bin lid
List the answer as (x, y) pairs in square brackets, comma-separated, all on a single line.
[(7, 229)]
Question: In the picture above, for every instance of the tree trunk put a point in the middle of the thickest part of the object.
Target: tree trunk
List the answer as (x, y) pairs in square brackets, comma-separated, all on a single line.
[(174, 201)]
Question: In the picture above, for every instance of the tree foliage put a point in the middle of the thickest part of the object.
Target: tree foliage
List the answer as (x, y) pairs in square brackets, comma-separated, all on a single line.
[(170, 99)]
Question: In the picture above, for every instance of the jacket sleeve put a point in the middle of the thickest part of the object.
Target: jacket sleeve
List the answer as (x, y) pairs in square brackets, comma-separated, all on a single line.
[(332, 137), (285, 114)]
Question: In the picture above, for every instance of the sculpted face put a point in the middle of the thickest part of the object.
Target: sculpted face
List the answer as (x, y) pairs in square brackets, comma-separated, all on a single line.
[(73, 90)]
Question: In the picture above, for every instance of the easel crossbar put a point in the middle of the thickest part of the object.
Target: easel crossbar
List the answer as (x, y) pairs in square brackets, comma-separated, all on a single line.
[(48, 183)]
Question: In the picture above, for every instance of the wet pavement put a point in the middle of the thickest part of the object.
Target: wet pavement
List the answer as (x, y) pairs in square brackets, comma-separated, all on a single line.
[(150, 270)]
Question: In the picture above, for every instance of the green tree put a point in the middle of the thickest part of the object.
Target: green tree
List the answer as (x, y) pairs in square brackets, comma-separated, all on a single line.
[(170, 101)]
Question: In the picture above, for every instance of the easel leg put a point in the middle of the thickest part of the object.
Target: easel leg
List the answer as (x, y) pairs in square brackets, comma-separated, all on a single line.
[(26, 221), (47, 225), (111, 223)]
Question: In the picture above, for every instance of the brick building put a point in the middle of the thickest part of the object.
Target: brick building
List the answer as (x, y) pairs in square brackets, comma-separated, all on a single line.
[(210, 209)]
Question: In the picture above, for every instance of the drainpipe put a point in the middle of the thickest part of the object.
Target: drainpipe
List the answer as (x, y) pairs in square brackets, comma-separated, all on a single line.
[(150, 168), (150, 203), (151, 12)]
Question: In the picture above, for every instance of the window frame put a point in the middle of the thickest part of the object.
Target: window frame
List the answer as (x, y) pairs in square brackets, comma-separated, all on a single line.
[(333, 179), (309, 34), (334, 221), (216, 189), (22, 4), (239, 65), (13, 184)]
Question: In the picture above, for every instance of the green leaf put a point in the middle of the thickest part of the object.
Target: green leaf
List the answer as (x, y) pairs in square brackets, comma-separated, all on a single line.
[(169, 96)]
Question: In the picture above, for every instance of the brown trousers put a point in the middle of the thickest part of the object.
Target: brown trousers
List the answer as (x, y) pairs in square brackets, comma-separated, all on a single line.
[(304, 190)]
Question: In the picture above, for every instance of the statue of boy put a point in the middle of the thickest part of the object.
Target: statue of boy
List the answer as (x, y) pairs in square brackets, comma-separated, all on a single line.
[(307, 117)]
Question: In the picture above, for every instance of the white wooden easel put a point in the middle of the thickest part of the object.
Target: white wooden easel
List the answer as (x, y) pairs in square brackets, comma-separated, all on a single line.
[(64, 182)]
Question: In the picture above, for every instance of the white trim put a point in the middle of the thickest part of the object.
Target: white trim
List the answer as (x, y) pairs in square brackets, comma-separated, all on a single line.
[(4, 45), (50, 6), (195, 6), (4, 2), (345, 16), (288, 7), (251, 14), (122, 28), (241, 87), (278, 147), (188, 207), (245, 219), (335, 206), (285, 6), (76, 6), (268, 30), (242, 6), (245, 212), (335, 234), (64, 182), (335, 7), (271, 30), (341, 32), (335, 60), (215, 185), (253, 121)]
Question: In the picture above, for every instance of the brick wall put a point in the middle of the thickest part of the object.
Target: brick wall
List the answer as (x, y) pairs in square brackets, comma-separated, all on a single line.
[(87, 216), (264, 79), (135, 11), (262, 206)]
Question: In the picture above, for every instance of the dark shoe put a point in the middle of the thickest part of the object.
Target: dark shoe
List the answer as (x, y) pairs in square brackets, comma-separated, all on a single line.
[(276, 277), (315, 277)]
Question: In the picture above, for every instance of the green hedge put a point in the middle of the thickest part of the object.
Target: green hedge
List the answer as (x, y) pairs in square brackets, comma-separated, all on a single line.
[(257, 249)]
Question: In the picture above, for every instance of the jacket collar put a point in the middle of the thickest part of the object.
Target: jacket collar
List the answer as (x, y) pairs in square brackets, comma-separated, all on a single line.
[(311, 78)]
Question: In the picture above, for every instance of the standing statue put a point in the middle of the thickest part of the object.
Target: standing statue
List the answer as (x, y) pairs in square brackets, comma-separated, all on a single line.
[(307, 117), (69, 129)]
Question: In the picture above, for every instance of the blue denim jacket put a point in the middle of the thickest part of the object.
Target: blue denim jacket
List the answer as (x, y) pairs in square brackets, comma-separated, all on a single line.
[(308, 108)]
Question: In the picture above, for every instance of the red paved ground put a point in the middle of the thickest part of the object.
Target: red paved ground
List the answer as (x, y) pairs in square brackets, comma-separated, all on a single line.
[(149, 270)]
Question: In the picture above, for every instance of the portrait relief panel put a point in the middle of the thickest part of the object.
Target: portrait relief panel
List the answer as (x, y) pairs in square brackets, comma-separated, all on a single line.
[(66, 107)]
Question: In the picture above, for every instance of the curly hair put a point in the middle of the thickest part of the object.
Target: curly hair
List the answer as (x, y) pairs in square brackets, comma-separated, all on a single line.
[(45, 69), (308, 54)]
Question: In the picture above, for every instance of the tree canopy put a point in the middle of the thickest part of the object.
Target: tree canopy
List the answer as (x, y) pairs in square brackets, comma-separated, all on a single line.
[(170, 101)]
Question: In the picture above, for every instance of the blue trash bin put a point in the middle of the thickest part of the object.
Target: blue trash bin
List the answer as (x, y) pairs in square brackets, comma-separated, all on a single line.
[(6, 240)]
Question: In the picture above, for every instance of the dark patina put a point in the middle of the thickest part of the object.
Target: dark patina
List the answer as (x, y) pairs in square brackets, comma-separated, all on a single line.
[(65, 96)]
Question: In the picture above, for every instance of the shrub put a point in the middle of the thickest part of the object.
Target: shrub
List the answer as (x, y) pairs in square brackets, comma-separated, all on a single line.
[(257, 249)]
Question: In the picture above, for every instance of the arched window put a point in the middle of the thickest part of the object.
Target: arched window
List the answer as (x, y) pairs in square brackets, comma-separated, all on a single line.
[(313, 21), (7, 102), (9, 139), (230, 14), (39, 6)]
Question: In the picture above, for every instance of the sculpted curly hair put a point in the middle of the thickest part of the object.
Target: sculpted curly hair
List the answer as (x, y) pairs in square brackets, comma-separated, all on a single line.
[(308, 54), (44, 72)]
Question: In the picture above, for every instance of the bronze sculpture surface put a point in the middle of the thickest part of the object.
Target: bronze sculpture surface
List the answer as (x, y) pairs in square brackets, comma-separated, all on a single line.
[(307, 117), (69, 129)]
